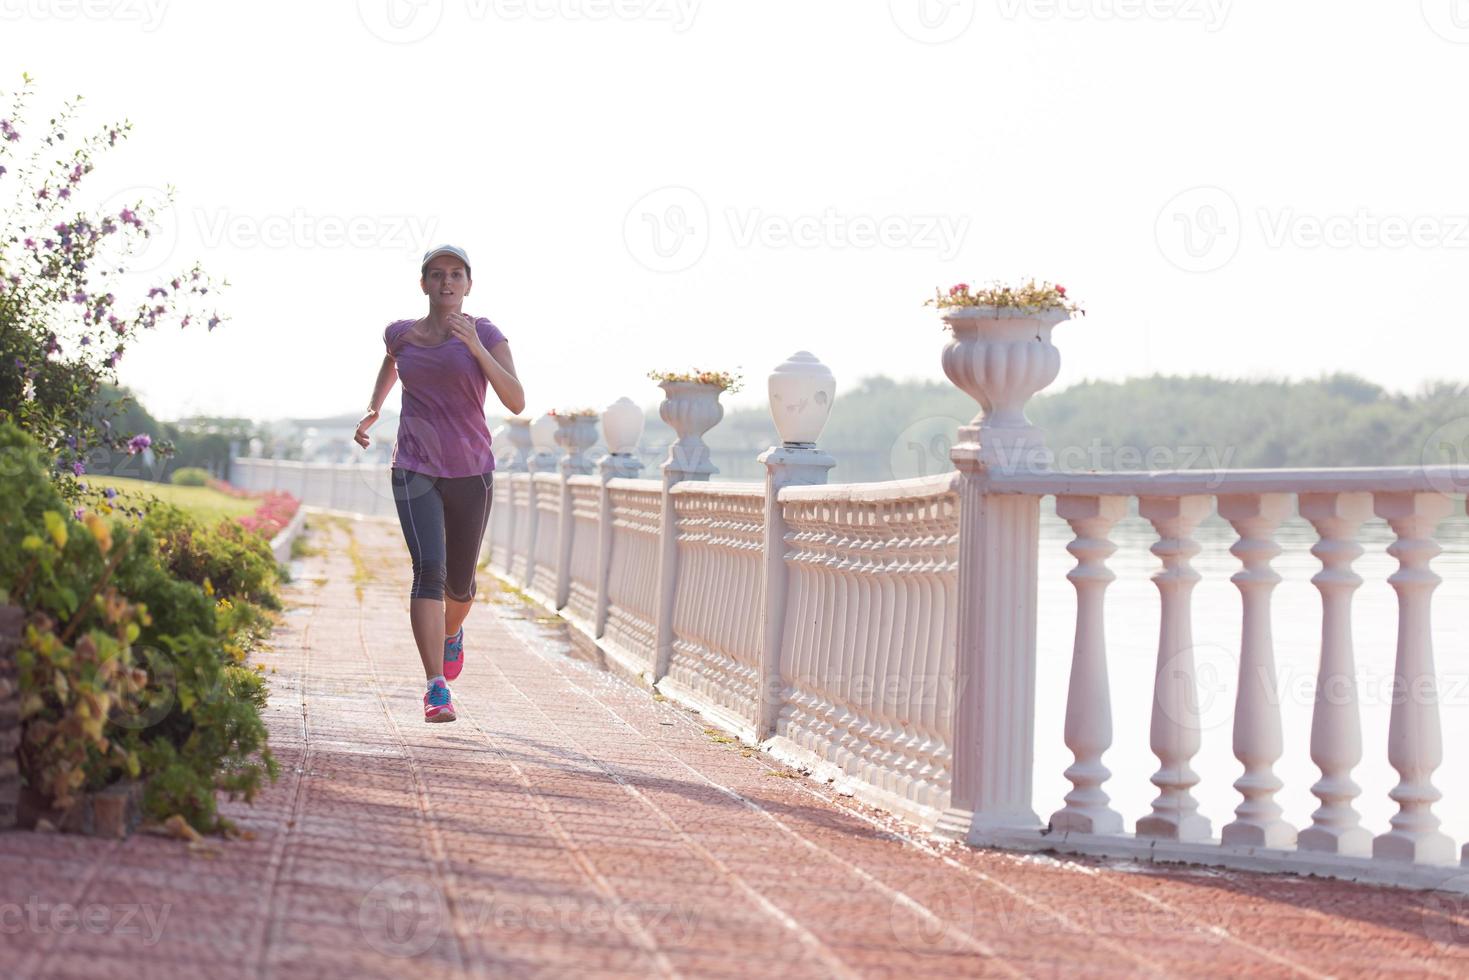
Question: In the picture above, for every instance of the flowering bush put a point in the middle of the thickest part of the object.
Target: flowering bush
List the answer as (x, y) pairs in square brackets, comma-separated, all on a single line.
[(65, 315), (273, 514), (1027, 297), (574, 413), (720, 379)]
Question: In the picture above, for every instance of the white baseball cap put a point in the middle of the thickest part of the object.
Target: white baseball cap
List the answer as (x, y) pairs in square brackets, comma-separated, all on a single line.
[(453, 250)]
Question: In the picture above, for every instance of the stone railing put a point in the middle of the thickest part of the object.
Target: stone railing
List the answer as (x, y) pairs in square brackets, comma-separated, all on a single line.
[(884, 635)]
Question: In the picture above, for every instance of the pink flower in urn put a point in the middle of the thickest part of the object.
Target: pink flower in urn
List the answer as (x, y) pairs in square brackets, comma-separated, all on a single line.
[(1061, 290)]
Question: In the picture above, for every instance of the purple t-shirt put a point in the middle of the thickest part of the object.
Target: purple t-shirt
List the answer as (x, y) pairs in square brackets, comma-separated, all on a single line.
[(442, 430)]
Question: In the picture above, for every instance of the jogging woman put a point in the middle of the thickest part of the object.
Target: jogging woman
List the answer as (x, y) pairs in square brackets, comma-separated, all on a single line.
[(442, 465)]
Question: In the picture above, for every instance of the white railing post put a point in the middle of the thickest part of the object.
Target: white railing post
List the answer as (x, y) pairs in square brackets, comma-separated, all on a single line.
[(1336, 725), (1000, 358), (1415, 740), (622, 427), (692, 409), (1088, 699), (542, 432), (802, 391), (518, 432), (1258, 742), (575, 434), (1174, 735)]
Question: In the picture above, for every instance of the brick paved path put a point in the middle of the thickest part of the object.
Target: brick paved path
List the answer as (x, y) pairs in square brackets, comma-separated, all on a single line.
[(570, 824)]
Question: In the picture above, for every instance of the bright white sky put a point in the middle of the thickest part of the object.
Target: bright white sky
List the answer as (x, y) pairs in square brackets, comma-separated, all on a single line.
[(992, 138)]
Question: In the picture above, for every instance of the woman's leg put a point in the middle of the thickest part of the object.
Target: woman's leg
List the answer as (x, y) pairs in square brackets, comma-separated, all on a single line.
[(467, 503), (421, 514)]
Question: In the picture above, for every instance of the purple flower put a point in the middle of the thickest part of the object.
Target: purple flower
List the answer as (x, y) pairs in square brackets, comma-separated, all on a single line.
[(109, 493), (77, 513), (8, 131), (157, 291), (64, 193), (139, 442), (30, 243), (78, 468), (3, 171), (86, 340), (79, 297), (213, 322)]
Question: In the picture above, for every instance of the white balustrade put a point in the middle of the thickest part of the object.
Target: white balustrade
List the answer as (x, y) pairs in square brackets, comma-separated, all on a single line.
[(1088, 698), (884, 635), (1336, 725)]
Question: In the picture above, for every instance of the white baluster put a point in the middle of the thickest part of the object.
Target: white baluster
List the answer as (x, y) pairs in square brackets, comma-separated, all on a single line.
[(1414, 741), (1258, 742), (1089, 701), (1174, 735), (1336, 725)]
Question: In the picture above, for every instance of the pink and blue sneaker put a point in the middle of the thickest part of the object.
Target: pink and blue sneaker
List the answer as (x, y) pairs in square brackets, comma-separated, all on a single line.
[(454, 655), (438, 703)]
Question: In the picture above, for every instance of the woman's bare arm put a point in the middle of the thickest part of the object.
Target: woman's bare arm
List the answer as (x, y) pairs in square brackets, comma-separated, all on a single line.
[(499, 369), (387, 376)]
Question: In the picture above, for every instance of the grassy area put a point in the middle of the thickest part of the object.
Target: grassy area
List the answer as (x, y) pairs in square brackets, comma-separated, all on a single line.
[(203, 503)]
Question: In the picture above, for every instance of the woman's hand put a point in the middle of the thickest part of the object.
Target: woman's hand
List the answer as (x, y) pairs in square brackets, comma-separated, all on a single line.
[(360, 436), (463, 327)]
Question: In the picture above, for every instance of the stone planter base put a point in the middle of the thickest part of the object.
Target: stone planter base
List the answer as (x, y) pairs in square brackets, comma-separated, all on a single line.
[(114, 812)]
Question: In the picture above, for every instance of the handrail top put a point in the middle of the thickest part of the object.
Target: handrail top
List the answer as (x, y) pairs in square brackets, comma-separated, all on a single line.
[(1177, 483), (635, 483), (918, 486), (717, 488)]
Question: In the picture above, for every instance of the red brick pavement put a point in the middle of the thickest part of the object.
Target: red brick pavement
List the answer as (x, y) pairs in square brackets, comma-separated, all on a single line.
[(570, 824)]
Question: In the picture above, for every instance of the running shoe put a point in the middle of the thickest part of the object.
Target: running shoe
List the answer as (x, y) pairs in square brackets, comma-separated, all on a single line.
[(438, 704), (454, 655)]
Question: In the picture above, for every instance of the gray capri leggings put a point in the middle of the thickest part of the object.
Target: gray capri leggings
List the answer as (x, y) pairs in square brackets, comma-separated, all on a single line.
[(443, 520)]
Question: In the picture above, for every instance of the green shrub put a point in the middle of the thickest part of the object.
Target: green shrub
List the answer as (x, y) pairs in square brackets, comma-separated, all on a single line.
[(190, 476), (128, 668)]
